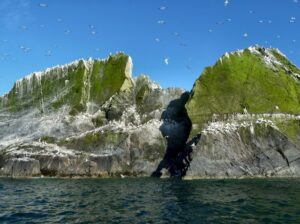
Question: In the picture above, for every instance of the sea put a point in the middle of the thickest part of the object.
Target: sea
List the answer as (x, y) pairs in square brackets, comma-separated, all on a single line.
[(149, 200)]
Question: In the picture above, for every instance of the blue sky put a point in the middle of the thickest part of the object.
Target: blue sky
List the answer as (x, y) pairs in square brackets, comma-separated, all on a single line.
[(191, 34)]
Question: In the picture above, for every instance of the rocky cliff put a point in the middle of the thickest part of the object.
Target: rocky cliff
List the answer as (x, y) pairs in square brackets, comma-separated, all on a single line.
[(92, 118), (89, 118), (245, 117)]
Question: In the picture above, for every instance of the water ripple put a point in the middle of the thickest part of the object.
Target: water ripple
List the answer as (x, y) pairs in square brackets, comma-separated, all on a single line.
[(148, 200)]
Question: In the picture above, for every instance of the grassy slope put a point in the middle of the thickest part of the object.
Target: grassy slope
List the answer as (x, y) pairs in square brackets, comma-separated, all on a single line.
[(243, 81)]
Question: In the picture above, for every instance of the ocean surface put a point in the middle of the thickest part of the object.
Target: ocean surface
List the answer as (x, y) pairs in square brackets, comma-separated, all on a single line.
[(149, 200)]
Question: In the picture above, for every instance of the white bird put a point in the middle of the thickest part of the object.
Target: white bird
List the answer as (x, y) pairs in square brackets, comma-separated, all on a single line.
[(226, 2), (162, 8), (67, 32), (293, 19), (24, 28), (43, 5), (166, 61), (245, 35), (161, 22), (157, 40), (93, 32), (25, 49), (49, 53), (220, 23)]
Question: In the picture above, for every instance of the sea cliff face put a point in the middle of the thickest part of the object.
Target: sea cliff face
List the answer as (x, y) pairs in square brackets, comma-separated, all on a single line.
[(245, 110), (237, 148), (88, 118), (92, 118)]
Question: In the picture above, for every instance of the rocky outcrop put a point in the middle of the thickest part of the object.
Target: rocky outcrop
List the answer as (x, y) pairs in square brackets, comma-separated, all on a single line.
[(255, 80), (20, 167), (254, 149), (89, 118), (92, 118), (245, 118)]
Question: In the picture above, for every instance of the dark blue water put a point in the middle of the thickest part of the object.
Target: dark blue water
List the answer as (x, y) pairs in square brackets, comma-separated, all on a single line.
[(149, 200)]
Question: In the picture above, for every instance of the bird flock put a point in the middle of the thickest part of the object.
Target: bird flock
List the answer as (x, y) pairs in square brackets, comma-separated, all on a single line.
[(292, 19), (160, 22)]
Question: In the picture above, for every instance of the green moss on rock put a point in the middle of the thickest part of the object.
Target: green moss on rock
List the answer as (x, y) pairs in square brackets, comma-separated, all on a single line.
[(107, 78), (243, 80), (291, 128), (48, 139), (96, 142), (73, 85)]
